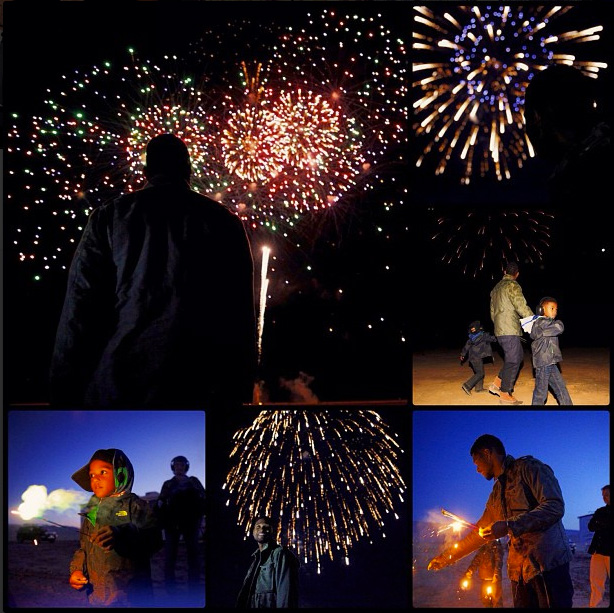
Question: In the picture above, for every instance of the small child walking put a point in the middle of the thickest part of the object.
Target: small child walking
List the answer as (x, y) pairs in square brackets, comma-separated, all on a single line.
[(547, 354), (477, 347)]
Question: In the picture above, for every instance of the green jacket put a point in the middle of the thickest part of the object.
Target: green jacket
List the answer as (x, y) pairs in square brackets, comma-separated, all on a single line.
[(507, 306), (533, 503)]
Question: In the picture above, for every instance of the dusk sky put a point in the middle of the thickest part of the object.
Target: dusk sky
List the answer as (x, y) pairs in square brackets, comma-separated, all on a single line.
[(575, 444), (47, 447)]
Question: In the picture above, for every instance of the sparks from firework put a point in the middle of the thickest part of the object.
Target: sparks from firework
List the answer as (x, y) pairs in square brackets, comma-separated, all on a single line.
[(481, 239), (330, 478), (458, 520), (264, 286), (246, 148), (470, 85)]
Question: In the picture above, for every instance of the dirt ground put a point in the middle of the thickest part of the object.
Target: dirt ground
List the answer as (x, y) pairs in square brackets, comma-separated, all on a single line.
[(441, 589), (37, 576), (438, 376)]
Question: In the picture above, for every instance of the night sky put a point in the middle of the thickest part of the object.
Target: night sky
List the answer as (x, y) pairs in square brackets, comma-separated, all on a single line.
[(455, 266), (337, 307)]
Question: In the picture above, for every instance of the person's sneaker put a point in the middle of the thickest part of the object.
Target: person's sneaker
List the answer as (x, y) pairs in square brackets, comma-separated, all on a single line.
[(493, 389), (466, 389), (506, 398)]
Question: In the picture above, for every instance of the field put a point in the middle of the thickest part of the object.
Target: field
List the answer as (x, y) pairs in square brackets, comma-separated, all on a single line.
[(37, 576), (437, 378)]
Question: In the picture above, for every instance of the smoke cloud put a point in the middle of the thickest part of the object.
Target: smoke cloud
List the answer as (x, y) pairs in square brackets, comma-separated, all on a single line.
[(36, 501), (299, 389)]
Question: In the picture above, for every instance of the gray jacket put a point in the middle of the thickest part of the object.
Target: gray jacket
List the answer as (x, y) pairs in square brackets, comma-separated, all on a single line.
[(528, 495), (271, 581), (545, 346)]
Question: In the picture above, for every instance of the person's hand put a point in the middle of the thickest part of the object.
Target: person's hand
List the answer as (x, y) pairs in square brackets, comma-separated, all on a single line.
[(437, 563), (468, 574), (77, 580), (104, 538), (495, 531)]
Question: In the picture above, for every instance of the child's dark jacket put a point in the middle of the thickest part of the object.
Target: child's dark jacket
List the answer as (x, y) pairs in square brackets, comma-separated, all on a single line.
[(120, 577), (545, 345), (478, 346)]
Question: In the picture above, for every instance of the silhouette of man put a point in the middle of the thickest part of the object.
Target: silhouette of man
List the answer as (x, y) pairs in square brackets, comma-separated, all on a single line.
[(159, 307), (181, 507)]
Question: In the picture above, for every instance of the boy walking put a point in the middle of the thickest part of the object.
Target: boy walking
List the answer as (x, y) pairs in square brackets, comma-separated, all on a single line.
[(547, 354), (476, 349)]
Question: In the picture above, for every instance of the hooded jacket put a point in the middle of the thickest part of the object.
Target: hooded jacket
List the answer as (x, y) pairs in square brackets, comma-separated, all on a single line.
[(271, 581), (478, 346), (545, 346), (507, 306), (121, 576), (159, 307), (528, 495)]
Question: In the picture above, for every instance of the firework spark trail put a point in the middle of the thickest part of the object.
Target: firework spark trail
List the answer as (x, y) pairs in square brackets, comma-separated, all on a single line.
[(470, 85), (481, 239), (342, 77), (331, 479), (264, 286), (456, 518)]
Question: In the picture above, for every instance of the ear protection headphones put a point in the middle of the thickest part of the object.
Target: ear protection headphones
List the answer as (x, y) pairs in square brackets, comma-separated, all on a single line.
[(121, 476), (180, 458), (540, 307)]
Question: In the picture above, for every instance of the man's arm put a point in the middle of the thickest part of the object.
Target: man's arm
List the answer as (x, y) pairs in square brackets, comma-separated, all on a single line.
[(87, 315), (286, 571), (598, 521), (547, 492)]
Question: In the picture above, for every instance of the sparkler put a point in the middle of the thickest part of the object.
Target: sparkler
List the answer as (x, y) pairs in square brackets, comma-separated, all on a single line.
[(474, 64), (457, 519), (330, 478)]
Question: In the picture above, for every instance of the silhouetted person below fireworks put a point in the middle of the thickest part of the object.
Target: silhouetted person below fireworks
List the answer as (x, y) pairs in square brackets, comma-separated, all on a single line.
[(159, 308)]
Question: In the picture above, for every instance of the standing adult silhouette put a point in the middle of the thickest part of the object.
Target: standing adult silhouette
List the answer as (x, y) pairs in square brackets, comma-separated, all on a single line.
[(159, 308)]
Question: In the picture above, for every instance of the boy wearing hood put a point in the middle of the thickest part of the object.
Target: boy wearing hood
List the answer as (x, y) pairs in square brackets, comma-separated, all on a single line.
[(119, 534), (476, 349)]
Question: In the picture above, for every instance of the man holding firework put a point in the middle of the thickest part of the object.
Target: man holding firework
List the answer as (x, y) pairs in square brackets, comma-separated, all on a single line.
[(526, 503)]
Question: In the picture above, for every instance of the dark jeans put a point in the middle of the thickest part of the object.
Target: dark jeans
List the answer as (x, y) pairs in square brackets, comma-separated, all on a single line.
[(171, 543), (552, 589), (477, 380), (550, 376), (513, 355)]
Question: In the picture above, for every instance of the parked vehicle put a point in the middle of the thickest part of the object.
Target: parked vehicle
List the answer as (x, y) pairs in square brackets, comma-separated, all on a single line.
[(35, 533)]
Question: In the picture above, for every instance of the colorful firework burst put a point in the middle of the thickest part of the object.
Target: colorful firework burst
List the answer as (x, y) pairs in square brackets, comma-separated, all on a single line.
[(302, 127), (330, 478), (478, 61), (480, 240)]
